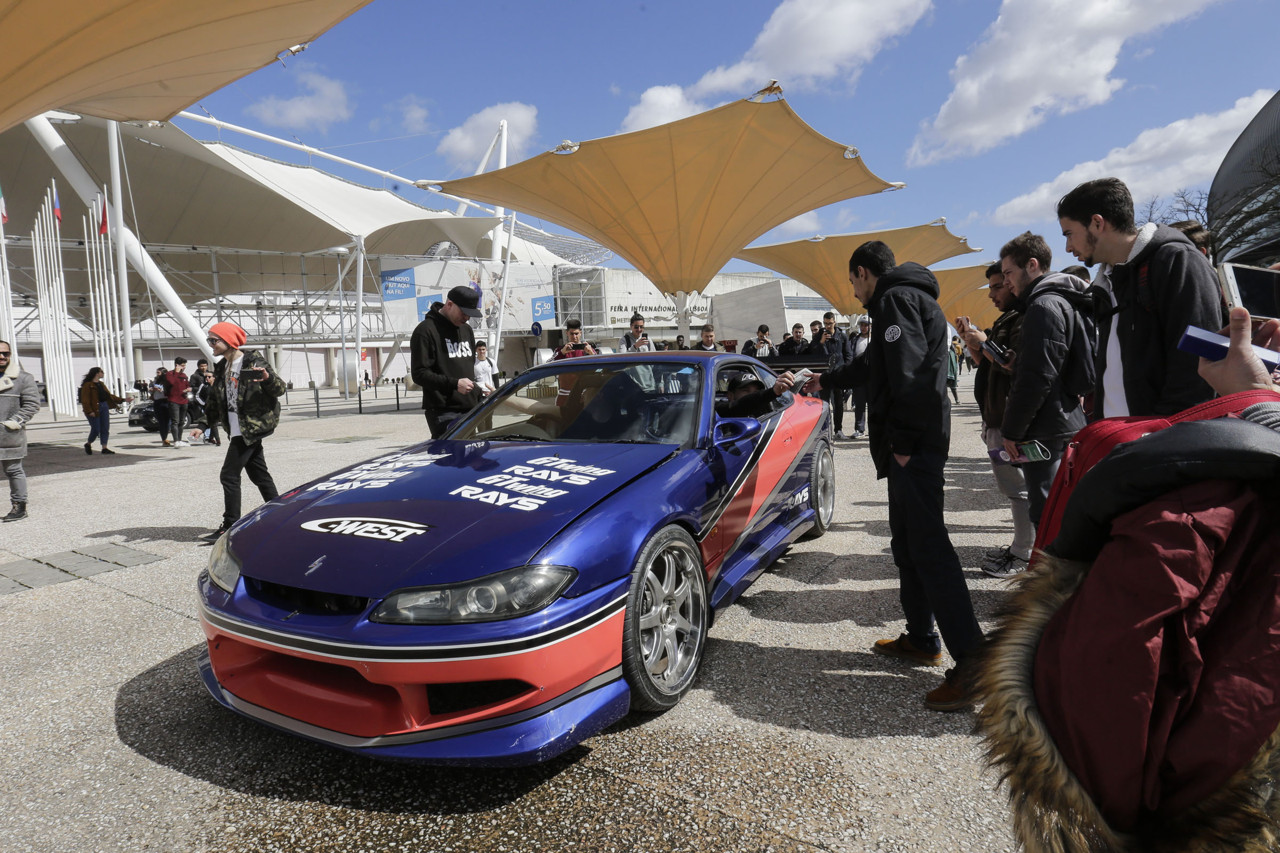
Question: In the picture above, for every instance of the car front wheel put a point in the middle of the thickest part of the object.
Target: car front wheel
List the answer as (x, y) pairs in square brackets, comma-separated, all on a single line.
[(666, 620)]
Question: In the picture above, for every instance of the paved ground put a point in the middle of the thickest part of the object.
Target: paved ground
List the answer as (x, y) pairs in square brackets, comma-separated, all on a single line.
[(794, 738)]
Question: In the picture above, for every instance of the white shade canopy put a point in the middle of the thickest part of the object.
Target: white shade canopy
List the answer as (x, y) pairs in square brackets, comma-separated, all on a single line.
[(186, 192)]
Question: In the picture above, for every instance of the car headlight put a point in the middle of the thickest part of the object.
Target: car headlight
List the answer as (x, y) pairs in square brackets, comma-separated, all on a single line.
[(224, 568), (505, 595)]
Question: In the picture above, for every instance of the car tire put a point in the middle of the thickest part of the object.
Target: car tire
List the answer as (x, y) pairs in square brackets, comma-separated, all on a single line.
[(822, 490), (666, 620)]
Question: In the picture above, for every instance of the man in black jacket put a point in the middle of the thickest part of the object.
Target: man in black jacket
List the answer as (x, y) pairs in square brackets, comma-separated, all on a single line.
[(991, 389), (831, 344), (1157, 283), (442, 359), (1051, 368), (910, 431)]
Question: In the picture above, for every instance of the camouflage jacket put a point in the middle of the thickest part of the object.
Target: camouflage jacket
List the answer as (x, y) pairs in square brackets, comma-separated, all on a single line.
[(257, 403)]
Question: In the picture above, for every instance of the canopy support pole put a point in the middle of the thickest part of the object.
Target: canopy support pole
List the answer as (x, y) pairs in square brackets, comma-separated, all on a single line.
[(79, 179), (359, 305), (122, 270)]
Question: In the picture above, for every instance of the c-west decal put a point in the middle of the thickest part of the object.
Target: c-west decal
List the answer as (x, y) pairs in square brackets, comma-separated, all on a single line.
[(385, 529)]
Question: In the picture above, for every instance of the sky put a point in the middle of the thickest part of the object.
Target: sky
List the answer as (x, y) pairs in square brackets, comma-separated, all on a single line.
[(988, 110)]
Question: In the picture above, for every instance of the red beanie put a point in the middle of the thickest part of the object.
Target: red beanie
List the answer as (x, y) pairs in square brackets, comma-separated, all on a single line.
[(232, 334)]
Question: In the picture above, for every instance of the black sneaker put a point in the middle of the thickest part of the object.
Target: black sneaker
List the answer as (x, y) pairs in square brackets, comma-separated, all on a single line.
[(106, 452), (1006, 567), (213, 536), (88, 448)]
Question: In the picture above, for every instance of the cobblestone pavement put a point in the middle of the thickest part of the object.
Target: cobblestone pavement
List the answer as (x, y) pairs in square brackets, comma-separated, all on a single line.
[(795, 737)]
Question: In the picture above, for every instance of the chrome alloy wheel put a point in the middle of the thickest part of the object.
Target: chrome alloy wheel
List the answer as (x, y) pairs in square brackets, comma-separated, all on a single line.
[(667, 620), (825, 481)]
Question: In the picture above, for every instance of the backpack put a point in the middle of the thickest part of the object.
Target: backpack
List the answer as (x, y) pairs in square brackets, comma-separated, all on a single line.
[(1091, 444), (1079, 373)]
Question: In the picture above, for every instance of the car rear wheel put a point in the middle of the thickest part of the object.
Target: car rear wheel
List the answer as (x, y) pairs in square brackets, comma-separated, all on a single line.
[(822, 490), (666, 620)]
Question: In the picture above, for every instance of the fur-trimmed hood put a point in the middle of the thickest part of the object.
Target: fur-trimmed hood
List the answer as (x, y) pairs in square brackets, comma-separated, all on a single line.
[(1130, 694)]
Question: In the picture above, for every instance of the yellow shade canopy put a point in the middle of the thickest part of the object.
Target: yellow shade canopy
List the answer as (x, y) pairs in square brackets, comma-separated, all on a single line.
[(964, 294), (822, 263), (143, 59), (678, 200)]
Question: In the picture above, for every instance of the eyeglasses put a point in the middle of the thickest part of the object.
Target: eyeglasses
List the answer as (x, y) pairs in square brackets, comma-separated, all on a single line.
[(4, 352), (213, 342)]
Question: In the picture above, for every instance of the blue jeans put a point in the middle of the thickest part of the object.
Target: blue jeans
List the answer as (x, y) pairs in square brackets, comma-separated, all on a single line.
[(932, 588), (100, 426)]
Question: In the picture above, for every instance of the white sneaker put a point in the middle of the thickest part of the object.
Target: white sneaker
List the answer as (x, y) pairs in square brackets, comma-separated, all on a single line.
[(181, 443)]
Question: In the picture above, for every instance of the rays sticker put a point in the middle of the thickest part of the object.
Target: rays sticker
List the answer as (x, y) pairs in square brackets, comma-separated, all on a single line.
[(892, 333)]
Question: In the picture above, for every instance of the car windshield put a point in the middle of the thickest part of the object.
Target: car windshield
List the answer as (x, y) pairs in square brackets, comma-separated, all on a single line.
[(641, 403)]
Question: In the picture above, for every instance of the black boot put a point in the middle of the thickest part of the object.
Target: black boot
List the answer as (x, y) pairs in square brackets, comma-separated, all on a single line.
[(18, 512)]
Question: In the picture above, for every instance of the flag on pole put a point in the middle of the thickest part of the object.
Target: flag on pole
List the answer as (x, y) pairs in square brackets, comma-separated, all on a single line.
[(4, 211), (102, 229), (57, 207)]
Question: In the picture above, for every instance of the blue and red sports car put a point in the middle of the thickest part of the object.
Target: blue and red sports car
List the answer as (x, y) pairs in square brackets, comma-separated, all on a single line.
[(500, 594)]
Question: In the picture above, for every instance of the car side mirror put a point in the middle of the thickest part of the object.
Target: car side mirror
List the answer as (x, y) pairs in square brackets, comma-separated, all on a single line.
[(730, 431)]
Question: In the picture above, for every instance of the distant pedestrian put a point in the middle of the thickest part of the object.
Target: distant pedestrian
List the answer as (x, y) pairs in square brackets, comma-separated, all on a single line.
[(245, 399), (953, 369), (19, 402), (176, 386), (97, 401), (160, 403), (485, 369)]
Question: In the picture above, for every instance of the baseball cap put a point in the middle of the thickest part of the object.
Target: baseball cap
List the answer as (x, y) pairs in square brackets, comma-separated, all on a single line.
[(466, 298), (743, 381)]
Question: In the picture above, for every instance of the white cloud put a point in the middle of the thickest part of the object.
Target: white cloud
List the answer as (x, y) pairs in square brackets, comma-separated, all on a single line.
[(803, 44), (805, 225), (413, 114), (324, 102), (465, 145), (1158, 162), (659, 105), (1038, 59)]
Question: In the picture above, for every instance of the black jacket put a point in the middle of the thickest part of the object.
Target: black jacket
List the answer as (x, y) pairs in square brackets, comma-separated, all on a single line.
[(440, 354), (907, 405), (1053, 317), (837, 350), (991, 382), (1166, 288)]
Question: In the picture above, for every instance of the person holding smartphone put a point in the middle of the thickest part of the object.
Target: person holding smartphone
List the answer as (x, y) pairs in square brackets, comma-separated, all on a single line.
[(636, 340), (245, 399), (574, 345)]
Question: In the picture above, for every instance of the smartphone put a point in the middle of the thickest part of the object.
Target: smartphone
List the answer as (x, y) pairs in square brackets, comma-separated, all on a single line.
[(1213, 346), (1253, 288), (1000, 354), (1028, 451)]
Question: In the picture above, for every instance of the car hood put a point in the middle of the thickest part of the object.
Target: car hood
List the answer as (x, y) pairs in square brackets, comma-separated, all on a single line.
[(438, 512)]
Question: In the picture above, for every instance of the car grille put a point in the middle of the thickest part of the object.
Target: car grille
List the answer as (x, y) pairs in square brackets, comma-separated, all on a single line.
[(451, 698), (306, 600)]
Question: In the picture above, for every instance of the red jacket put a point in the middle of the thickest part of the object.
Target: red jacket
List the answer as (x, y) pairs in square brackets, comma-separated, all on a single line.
[(178, 385)]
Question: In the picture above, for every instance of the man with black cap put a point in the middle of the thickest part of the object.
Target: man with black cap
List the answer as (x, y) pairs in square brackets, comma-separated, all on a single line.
[(442, 359)]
